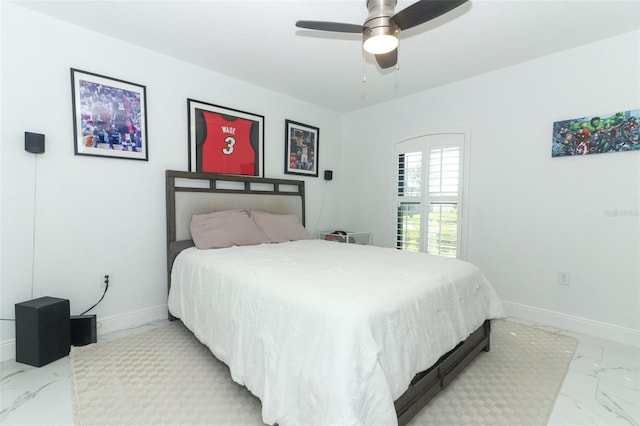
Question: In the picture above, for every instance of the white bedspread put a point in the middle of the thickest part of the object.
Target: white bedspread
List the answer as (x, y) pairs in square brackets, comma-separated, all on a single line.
[(327, 333)]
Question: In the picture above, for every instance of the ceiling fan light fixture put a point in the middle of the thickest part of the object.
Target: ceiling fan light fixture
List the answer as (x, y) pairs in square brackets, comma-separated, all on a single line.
[(380, 40), (381, 29)]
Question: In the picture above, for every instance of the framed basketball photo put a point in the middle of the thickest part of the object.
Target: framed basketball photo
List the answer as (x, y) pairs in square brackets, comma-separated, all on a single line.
[(301, 149), (109, 116), (225, 140)]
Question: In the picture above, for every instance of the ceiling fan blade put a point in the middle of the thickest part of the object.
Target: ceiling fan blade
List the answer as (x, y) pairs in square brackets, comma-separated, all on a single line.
[(330, 26), (423, 11), (387, 60)]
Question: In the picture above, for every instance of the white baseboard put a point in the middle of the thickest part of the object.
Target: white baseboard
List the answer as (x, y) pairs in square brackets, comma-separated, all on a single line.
[(7, 349), (131, 319), (601, 330), (104, 325)]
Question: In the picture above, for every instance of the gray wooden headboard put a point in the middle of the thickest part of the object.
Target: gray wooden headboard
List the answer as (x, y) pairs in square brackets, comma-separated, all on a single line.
[(189, 193)]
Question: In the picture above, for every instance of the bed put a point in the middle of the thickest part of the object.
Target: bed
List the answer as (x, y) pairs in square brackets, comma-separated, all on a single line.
[(312, 327)]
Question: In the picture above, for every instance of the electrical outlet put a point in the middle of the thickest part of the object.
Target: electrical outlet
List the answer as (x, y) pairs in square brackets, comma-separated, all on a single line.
[(104, 278), (564, 278)]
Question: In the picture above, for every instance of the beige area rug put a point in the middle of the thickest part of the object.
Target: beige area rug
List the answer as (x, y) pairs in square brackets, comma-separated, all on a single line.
[(167, 377)]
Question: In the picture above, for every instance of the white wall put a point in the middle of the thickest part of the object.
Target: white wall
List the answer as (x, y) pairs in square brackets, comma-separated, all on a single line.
[(530, 215), (96, 215)]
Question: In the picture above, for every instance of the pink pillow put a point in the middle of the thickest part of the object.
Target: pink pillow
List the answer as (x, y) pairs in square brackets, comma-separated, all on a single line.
[(225, 229), (280, 227)]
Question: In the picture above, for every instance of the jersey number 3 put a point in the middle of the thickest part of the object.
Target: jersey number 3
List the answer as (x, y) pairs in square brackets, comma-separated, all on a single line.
[(231, 141)]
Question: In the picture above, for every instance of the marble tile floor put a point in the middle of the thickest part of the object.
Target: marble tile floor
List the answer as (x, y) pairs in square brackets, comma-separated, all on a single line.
[(602, 386)]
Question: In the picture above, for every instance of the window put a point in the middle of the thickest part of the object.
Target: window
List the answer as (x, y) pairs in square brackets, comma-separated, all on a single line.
[(429, 198)]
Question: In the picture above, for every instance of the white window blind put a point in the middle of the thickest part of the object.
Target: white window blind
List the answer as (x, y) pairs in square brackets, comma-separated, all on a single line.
[(444, 171), (410, 177), (429, 194)]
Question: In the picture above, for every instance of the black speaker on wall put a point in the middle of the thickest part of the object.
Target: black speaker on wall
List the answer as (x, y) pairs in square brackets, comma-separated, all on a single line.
[(42, 330), (34, 142), (328, 174)]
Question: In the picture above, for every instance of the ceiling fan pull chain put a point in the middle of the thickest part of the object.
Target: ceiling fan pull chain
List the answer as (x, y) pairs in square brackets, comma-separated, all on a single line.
[(364, 69)]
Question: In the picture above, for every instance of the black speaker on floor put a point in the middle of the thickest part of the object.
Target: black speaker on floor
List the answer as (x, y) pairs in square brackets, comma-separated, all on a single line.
[(34, 142), (83, 330), (42, 330)]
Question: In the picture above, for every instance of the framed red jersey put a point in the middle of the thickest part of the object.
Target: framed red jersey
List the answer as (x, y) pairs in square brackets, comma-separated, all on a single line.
[(225, 140)]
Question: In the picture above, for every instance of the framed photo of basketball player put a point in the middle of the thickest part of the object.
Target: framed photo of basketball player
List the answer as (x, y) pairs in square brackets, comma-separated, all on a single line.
[(109, 117), (301, 149), (225, 140)]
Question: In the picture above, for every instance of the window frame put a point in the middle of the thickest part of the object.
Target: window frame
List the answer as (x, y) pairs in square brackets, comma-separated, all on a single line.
[(425, 142)]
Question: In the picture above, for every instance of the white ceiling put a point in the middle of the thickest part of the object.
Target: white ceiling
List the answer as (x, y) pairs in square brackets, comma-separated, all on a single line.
[(257, 41)]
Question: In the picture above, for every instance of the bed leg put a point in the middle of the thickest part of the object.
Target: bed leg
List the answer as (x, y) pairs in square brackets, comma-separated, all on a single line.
[(487, 333)]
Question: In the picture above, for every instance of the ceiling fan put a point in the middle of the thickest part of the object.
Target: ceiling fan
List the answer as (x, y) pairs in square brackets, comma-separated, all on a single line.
[(381, 28)]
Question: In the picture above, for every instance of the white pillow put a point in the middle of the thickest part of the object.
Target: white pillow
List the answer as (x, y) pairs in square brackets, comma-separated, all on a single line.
[(280, 227), (225, 229)]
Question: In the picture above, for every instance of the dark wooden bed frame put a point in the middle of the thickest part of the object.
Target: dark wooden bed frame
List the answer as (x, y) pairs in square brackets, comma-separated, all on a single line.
[(248, 189)]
